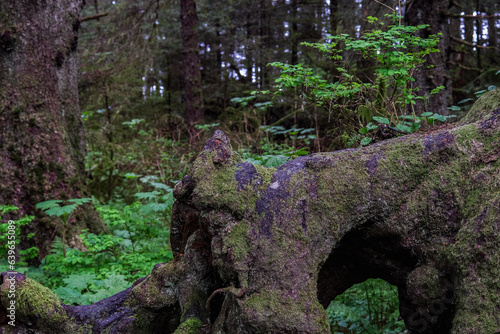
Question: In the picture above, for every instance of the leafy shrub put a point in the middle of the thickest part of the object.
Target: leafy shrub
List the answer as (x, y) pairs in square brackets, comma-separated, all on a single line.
[(396, 52), (10, 237)]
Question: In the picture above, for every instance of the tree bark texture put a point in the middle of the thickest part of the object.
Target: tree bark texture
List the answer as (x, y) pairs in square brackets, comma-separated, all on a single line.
[(438, 74), (191, 59), (264, 250), (41, 133)]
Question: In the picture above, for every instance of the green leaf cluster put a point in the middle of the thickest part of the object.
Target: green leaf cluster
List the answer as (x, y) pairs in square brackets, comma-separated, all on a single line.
[(396, 52), (272, 154), (85, 288), (138, 240), (369, 307), (13, 239)]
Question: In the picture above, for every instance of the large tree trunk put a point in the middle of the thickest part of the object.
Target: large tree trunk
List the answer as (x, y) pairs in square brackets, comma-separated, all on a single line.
[(264, 250), (438, 74), (191, 59), (42, 145)]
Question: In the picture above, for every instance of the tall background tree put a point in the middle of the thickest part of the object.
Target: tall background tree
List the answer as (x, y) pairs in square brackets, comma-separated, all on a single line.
[(437, 72), (42, 140), (190, 57)]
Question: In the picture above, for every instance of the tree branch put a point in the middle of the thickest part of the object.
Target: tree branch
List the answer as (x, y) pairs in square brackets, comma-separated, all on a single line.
[(93, 17), (466, 67), (456, 39), (456, 15)]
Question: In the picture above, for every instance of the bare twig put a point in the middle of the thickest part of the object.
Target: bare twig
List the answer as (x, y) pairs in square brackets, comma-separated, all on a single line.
[(466, 67), (93, 17), (383, 4)]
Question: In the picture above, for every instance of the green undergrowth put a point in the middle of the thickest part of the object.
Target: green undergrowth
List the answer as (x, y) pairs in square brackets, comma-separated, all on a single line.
[(108, 263), (368, 307)]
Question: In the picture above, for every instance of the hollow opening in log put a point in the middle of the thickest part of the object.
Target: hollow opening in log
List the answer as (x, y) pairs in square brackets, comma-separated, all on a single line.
[(367, 252), (373, 251)]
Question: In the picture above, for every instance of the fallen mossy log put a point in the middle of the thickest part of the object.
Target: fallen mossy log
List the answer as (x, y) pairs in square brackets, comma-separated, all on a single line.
[(263, 250)]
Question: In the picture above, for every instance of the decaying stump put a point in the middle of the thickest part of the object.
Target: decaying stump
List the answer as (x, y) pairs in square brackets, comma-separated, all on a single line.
[(263, 250)]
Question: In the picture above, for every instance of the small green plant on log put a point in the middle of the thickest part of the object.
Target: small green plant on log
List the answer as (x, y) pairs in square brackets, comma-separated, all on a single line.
[(396, 54)]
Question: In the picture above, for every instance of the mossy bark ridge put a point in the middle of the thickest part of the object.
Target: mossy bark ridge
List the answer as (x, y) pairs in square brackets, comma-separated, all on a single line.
[(263, 250)]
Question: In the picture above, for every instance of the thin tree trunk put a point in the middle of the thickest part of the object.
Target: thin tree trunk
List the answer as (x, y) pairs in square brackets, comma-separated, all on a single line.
[(294, 34), (432, 13), (493, 54), (190, 55)]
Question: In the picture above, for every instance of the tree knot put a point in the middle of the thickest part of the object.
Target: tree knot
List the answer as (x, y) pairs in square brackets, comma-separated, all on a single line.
[(219, 146)]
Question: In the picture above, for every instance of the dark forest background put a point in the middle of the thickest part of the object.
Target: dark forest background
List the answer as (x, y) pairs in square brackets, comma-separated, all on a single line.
[(180, 69)]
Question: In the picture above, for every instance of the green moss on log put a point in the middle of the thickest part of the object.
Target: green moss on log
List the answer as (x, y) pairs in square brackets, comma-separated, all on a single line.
[(190, 326)]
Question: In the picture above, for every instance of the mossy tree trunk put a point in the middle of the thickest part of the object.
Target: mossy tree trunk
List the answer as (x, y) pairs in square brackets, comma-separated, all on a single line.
[(264, 250), (42, 146)]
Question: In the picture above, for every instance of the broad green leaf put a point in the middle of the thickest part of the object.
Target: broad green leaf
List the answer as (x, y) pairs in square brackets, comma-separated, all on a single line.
[(68, 295), (415, 127), (439, 117), (381, 120), (426, 114), (69, 208), (454, 108), (365, 141), (404, 128), (78, 282), (299, 152), (492, 87), (159, 185), (465, 100), (154, 207), (131, 176), (276, 161)]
